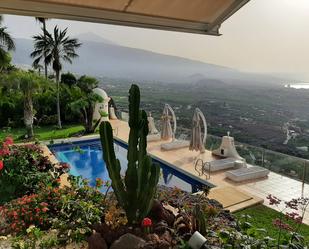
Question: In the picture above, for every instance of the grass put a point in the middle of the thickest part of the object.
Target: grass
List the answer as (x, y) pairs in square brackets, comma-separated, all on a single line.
[(42, 133), (262, 217)]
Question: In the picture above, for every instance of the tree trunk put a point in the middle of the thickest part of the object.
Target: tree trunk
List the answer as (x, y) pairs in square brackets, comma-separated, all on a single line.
[(28, 114), (45, 64), (58, 100)]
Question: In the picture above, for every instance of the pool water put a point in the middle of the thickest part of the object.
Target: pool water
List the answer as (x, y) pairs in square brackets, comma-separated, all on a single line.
[(85, 159)]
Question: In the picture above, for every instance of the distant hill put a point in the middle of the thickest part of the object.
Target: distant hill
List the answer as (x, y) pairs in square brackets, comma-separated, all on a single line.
[(101, 57)]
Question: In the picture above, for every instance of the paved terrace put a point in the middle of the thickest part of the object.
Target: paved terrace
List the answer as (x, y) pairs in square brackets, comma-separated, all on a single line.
[(233, 196)]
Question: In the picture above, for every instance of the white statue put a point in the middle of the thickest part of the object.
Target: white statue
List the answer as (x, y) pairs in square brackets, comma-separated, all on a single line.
[(101, 109)]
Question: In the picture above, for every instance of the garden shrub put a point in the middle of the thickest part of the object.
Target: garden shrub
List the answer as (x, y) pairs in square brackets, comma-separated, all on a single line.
[(78, 209), (24, 170), (71, 211), (20, 213)]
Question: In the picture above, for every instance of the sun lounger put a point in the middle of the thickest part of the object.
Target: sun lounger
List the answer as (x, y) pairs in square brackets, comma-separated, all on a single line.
[(153, 137), (244, 174), (176, 144), (220, 164)]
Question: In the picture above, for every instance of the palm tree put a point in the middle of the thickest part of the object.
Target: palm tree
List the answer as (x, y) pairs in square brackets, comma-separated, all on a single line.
[(59, 48), (42, 20), (85, 102), (6, 42)]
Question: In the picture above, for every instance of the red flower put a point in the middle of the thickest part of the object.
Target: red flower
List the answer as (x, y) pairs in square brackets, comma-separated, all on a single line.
[(1, 165), (9, 141), (273, 200), (44, 209), (98, 182), (4, 151), (146, 222)]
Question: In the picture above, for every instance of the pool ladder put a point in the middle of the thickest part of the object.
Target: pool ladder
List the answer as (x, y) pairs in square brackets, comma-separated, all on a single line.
[(203, 168), (115, 131)]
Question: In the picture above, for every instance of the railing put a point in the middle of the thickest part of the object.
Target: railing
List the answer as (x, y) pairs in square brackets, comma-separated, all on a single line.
[(283, 164), (290, 166)]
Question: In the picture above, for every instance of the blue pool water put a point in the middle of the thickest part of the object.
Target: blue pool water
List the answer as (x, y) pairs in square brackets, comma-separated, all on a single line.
[(85, 159)]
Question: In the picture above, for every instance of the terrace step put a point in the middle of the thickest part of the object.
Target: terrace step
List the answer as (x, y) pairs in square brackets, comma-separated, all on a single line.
[(234, 199)]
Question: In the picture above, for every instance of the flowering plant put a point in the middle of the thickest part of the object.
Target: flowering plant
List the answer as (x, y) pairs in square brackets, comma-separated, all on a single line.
[(23, 212), (293, 210), (24, 170)]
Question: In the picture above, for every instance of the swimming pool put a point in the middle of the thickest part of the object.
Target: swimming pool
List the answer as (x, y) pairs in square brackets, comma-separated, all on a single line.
[(85, 159)]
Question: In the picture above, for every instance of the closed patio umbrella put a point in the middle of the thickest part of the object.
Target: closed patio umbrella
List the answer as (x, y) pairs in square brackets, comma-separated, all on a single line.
[(197, 142), (166, 131)]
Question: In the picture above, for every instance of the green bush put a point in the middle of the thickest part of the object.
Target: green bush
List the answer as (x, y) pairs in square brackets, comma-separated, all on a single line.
[(25, 170), (76, 210)]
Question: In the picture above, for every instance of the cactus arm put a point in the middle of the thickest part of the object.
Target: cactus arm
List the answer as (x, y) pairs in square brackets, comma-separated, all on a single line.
[(131, 176), (200, 220), (145, 167), (113, 164), (149, 189), (134, 101), (143, 134)]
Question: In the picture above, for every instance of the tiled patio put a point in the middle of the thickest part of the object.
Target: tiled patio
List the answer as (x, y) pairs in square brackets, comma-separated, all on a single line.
[(283, 187)]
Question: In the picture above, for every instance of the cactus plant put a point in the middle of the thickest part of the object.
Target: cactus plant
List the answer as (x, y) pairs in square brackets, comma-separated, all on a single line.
[(199, 219), (136, 190)]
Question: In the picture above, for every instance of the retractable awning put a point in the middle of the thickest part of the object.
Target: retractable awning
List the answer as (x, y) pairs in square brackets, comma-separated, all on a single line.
[(194, 16)]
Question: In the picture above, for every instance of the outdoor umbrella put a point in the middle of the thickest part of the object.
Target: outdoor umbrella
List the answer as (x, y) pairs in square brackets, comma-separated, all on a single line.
[(197, 142), (166, 131)]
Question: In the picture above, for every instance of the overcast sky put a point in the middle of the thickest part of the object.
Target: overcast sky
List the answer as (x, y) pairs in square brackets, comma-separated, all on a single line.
[(264, 36)]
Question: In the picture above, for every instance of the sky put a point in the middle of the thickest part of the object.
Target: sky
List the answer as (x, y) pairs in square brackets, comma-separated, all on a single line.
[(265, 36)]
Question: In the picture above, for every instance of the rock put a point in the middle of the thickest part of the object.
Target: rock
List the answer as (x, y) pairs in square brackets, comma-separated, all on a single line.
[(153, 237), (165, 241), (95, 241), (128, 241), (167, 237), (161, 227), (80, 245), (182, 224), (164, 245), (108, 234), (168, 207), (159, 213)]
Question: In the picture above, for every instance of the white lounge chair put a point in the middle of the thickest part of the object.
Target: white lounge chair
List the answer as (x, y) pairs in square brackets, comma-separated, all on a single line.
[(220, 164), (250, 173), (176, 144), (153, 137)]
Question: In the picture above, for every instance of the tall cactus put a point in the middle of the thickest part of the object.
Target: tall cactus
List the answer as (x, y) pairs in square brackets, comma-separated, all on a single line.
[(136, 191)]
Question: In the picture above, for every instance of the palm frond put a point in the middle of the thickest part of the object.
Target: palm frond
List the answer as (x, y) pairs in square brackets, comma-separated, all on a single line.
[(6, 39)]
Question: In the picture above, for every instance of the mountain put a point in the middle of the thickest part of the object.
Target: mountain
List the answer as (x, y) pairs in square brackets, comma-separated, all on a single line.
[(103, 58), (91, 37)]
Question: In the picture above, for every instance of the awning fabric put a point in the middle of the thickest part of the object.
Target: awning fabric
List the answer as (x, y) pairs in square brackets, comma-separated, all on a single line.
[(194, 16)]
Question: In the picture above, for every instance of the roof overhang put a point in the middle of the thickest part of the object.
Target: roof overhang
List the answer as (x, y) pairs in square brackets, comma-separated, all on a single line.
[(193, 16)]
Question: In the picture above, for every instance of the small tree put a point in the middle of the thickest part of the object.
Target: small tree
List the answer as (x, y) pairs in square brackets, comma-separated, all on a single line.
[(68, 79), (28, 83), (85, 102)]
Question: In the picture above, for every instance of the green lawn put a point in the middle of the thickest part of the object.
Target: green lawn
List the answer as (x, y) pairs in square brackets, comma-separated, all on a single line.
[(262, 217), (42, 133)]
